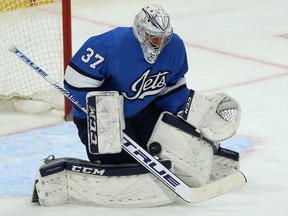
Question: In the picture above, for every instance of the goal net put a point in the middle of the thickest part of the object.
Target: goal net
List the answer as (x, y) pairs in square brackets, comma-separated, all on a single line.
[(36, 28)]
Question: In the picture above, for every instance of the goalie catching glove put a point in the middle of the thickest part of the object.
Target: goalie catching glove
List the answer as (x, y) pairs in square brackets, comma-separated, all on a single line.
[(216, 116)]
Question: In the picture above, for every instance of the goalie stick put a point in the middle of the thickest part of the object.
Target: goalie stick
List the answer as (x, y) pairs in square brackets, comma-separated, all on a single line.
[(191, 195)]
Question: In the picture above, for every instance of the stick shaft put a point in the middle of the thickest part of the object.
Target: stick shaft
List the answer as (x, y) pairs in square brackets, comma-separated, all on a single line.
[(48, 78)]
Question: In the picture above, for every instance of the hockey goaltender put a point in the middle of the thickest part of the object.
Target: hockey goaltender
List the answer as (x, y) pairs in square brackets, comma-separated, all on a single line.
[(149, 138)]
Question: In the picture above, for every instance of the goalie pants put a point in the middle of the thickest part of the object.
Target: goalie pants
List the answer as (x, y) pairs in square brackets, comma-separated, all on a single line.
[(139, 128)]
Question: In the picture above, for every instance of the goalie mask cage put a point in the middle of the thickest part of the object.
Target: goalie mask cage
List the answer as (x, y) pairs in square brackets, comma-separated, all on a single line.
[(41, 28)]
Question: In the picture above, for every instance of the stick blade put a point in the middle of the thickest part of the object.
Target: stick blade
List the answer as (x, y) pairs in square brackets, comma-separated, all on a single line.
[(12, 48), (218, 187)]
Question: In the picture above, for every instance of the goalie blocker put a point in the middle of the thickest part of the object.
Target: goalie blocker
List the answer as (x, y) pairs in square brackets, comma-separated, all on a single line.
[(105, 122)]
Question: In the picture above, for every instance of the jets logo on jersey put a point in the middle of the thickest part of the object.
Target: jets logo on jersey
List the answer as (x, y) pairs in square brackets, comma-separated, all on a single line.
[(147, 85)]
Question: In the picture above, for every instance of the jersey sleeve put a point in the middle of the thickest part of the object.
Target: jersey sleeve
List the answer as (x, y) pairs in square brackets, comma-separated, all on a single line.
[(86, 71), (174, 95)]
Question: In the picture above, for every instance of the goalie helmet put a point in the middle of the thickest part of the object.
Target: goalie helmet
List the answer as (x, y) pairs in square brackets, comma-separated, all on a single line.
[(153, 30)]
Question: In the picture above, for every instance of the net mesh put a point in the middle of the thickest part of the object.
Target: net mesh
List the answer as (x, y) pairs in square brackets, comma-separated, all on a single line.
[(227, 110), (35, 28)]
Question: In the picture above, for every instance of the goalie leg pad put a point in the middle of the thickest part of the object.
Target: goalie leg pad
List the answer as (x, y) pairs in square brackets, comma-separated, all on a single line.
[(81, 182), (191, 155), (225, 162), (51, 190)]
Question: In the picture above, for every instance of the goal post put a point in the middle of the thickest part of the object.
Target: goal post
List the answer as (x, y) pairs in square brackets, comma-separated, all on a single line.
[(43, 29), (67, 46)]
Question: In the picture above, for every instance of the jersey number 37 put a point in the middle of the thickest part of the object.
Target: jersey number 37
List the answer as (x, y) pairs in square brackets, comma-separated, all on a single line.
[(94, 60)]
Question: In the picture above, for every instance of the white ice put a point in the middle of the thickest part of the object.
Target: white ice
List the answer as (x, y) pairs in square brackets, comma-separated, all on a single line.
[(239, 47)]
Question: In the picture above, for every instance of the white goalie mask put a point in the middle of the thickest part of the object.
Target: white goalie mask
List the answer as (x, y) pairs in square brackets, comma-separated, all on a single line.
[(153, 30)]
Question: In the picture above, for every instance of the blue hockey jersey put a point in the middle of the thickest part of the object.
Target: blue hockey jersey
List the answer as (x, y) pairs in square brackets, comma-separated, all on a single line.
[(114, 61)]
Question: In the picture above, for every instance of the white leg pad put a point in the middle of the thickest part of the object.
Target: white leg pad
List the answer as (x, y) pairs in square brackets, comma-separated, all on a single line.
[(223, 167), (126, 191), (78, 182), (191, 156), (52, 190)]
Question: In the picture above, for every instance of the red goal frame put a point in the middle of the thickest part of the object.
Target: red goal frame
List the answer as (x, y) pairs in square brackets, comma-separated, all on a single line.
[(67, 46)]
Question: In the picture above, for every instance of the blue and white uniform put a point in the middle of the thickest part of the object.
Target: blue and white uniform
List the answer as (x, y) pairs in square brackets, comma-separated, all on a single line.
[(114, 61)]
